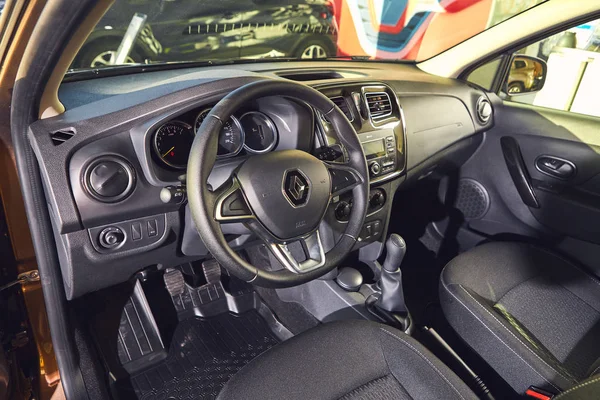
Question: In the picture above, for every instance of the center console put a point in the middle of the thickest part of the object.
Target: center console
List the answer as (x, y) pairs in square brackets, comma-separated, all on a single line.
[(375, 113)]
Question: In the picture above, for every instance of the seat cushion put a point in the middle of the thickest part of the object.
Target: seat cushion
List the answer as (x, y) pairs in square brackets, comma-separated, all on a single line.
[(347, 360), (531, 314)]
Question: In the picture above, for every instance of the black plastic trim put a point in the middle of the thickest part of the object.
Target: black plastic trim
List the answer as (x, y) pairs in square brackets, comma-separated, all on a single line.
[(518, 170)]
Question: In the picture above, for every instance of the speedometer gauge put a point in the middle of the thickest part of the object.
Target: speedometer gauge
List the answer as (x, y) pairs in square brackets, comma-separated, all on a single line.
[(173, 142), (231, 138)]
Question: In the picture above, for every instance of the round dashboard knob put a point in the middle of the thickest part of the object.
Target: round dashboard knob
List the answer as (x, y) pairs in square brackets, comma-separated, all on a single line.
[(375, 168), (172, 195), (377, 199), (109, 179), (342, 211), (111, 237)]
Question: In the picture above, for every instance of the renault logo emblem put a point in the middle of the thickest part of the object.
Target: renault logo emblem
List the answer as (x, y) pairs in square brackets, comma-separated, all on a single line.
[(296, 188)]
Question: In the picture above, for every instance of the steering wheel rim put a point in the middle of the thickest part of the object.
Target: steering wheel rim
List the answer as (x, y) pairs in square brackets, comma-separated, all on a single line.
[(203, 202)]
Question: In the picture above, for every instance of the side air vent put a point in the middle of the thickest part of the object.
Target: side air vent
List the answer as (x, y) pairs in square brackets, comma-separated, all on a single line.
[(59, 137), (379, 104), (484, 110), (343, 105)]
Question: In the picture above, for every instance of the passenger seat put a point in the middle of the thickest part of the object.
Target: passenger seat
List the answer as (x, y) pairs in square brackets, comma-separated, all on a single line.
[(531, 314)]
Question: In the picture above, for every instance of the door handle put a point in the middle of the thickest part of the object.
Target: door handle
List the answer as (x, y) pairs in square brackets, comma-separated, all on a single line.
[(555, 167)]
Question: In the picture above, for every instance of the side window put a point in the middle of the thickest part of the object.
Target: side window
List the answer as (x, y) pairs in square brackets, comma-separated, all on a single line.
[(572, 77), (483, 75)]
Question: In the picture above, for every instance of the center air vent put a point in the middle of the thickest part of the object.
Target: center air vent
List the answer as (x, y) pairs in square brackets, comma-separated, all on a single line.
[(484, 110), (379, 104), (59, 137), (343, 105)]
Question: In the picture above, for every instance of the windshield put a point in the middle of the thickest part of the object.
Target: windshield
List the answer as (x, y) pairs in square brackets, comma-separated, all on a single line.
[(171, 31)]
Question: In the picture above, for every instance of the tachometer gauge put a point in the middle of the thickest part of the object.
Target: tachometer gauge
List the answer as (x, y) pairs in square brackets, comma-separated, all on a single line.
[(261, 133), (231, 138), (173, 142)]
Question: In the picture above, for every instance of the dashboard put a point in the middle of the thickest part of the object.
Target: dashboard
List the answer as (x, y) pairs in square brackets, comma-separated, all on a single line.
[(113, 165)]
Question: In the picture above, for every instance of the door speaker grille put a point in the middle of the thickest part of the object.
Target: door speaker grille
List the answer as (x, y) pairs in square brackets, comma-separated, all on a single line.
[(472, 200)]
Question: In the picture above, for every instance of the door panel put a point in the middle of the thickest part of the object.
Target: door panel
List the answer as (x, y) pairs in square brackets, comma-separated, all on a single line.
[(568, 216)]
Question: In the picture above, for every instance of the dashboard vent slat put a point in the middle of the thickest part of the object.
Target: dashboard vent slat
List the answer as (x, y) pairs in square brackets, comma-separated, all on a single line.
[(379, 104), (59, 137), (342, 104)]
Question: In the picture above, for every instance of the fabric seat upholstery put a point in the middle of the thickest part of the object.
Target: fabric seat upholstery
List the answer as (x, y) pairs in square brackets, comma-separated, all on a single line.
[(531, 314), (347, 360)]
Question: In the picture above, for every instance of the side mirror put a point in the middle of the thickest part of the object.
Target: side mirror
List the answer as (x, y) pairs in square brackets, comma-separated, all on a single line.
[(526, 75)]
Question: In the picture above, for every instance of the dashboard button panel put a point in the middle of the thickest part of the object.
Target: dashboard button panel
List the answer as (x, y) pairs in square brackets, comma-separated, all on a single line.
[(128, 235), (371, 230)]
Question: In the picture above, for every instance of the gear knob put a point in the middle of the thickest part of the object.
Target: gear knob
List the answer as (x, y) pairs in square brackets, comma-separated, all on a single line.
[(396, 249)]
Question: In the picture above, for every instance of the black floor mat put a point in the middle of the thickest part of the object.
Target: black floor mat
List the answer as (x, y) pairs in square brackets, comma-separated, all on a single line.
[(203, 355)]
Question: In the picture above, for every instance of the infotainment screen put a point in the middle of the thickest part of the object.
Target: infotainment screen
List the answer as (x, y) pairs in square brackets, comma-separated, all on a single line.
[(374, 148)]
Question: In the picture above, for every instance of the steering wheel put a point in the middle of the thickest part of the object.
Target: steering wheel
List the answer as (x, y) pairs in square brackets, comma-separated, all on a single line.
[(280, 196)]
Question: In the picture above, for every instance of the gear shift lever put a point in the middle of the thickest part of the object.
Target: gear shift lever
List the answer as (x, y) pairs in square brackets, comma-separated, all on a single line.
[(392, 294), (396, 250)]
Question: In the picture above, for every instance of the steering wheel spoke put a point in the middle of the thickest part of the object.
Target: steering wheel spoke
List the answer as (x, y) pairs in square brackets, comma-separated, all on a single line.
[(231, 205), (309, 247), (343, 178)]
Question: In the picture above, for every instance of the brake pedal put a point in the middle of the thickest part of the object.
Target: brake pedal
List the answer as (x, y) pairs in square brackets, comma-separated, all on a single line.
[(212, 271)]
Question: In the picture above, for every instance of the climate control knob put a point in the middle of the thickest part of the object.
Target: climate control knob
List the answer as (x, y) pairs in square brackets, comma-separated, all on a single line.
[(375, 168), (377, 200)]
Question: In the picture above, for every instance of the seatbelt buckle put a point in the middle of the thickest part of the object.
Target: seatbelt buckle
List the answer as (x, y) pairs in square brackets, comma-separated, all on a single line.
[(537, 393)]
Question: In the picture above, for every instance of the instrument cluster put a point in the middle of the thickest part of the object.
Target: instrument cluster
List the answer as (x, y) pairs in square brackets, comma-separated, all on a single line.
[(252, 132)]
